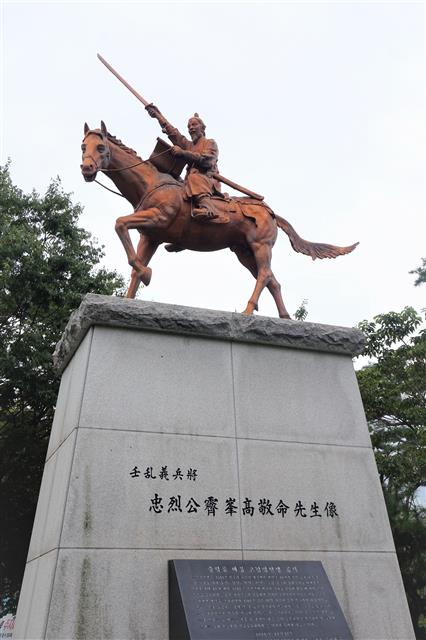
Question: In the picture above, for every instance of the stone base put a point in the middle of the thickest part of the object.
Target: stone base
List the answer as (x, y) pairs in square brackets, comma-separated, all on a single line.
[(255, 433)]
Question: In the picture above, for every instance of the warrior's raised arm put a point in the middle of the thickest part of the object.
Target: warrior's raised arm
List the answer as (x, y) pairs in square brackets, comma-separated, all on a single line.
[(172, 132), (201, 156), (153, 111)]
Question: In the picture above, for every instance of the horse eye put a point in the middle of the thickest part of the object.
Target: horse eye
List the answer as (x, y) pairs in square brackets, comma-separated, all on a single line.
[(100, 148), (83, 147)]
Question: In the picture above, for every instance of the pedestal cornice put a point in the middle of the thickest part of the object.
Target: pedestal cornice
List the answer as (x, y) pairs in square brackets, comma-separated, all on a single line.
[(207, 323)]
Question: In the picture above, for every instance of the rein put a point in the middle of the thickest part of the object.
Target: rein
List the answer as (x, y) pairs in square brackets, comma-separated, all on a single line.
[(117, 193), (158, 186)]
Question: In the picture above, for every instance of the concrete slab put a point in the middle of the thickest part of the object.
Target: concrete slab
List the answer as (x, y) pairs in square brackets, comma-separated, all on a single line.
[(368, 587), (120, 594), (34, 600), (156, 382), (107, 507), (297, 395), (312, 474), (70, 396), (52, 498)]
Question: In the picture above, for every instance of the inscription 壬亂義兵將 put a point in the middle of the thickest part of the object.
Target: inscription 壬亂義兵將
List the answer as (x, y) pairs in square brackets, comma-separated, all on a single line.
[(163, 473)]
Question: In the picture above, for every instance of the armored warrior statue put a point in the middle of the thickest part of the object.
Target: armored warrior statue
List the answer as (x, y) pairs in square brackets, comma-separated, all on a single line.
[(165, 210), (201, 155)]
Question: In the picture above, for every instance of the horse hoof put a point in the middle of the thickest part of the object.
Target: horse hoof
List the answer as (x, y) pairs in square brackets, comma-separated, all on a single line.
[(146, 276), (251, 306), (248, 311)]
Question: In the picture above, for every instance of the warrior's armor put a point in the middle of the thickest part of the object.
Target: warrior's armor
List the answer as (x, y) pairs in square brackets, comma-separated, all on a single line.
[(201, 156), (198, 179)]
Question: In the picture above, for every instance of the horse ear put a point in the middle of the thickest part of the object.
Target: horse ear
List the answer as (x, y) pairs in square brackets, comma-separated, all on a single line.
[(103, 128), (86, 128)]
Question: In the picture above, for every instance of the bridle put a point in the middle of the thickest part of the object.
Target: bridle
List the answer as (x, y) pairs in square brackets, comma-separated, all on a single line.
[(108, 155)]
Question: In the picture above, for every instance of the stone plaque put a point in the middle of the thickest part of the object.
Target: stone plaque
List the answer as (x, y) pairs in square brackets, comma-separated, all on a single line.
[(253, 600)]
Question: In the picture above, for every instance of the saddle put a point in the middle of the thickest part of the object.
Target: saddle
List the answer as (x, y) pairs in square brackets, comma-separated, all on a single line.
[(220, 207), (226, 207)]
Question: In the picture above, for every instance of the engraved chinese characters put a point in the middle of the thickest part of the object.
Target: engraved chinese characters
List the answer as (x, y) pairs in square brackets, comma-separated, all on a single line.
[(210, 505), (256, 600)]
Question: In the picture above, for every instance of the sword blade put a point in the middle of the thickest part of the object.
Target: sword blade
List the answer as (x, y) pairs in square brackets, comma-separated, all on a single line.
[(126, 84)]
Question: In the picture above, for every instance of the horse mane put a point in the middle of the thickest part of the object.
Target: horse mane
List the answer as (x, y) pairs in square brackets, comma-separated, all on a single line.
[(121, 144)]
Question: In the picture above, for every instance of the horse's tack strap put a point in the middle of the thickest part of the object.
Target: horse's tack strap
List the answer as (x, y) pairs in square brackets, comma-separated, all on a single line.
[(159, 186)]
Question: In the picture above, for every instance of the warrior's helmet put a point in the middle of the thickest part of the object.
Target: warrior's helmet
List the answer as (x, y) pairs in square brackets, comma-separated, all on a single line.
[(197, 117)]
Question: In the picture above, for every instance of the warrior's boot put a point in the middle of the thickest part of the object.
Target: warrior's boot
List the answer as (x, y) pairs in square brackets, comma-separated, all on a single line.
[(202, 211), (174, 248)]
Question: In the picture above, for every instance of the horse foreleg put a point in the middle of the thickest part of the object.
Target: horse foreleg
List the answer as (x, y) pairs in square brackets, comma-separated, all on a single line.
[(136, 220), (145, 251)]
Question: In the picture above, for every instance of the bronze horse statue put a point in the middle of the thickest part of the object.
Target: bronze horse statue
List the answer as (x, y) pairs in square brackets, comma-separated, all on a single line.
[(162, 214)]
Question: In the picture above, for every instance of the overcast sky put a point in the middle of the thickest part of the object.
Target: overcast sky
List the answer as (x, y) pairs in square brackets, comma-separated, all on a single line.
[(319, 106)]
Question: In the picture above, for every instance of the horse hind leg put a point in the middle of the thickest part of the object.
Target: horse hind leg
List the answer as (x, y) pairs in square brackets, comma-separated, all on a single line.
[(144, 252), (275, 289), (246, 257)]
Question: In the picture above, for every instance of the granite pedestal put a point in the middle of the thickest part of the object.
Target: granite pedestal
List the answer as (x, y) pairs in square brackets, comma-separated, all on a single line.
[(187, 433)]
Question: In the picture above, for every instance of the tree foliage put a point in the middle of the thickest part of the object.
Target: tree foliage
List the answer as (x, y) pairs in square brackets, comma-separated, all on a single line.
[(47, 264), (421, 273), (393, 389), (301, 312)]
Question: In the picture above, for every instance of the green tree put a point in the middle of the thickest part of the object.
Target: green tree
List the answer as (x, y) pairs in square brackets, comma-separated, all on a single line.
[(393, 389), (421, 273), (47, 264)]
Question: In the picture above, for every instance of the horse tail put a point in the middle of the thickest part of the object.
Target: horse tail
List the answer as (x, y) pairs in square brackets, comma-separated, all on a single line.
[(313, 249)]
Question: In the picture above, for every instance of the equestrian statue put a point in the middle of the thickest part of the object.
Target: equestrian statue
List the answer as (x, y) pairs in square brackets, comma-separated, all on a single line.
[(192, 213)]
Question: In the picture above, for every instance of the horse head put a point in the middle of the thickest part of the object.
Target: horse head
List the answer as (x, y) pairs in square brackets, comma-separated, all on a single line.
[(96, 153)]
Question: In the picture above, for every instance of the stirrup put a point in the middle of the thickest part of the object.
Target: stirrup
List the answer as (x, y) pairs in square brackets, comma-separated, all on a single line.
[(203, 213)]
